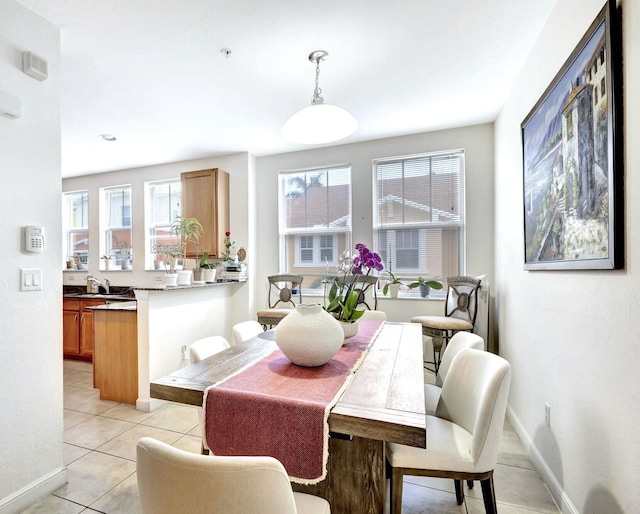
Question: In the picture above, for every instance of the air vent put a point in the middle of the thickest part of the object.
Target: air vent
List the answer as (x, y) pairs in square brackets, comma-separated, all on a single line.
[(34, 66)]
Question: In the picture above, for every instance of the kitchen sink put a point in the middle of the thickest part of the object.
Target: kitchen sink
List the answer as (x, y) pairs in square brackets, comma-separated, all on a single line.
[(99, 296)]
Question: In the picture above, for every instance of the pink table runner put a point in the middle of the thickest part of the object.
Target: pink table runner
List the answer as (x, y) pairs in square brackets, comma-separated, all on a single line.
[(279, 409)]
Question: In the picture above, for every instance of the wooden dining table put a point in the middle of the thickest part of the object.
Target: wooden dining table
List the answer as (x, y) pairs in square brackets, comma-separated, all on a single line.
[(384, 401)]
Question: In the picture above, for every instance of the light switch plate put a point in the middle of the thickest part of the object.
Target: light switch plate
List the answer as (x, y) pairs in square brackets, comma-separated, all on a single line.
[(30, 279)]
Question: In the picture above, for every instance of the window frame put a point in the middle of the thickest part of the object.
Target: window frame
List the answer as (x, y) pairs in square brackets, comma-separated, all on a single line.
[(337, 232), (423, 227), (150, 226), (107, 244), (68, 230)]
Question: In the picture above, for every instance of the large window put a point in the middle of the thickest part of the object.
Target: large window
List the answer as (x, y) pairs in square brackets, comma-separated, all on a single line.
[(162, 207), (75, 222), (419, 217), (315, 221), (116, 225)]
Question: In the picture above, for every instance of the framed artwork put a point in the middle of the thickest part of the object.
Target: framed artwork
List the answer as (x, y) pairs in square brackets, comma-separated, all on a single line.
[(572, 158)]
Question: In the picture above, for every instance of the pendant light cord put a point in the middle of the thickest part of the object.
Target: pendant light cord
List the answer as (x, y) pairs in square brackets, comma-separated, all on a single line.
[(317, 99)]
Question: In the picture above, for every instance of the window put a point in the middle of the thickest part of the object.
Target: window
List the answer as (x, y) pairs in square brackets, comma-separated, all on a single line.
[(419, 217), (162, 207), (315, 221), (116, 225), (75, 223)]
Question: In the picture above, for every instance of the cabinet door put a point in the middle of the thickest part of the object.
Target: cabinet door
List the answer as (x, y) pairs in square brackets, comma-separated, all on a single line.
[(86, 327), (205, 196), (70, 332)]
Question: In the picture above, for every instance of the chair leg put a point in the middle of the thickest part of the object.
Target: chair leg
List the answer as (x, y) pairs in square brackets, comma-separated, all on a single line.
[(395, 490), (459, 491), (489, 495), (470, 484)]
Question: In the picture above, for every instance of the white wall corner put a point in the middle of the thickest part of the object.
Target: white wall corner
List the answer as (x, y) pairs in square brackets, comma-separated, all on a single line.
[(558, 493)]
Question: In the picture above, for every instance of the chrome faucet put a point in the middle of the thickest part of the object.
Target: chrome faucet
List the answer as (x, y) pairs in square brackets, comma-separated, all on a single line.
[(93, 285)]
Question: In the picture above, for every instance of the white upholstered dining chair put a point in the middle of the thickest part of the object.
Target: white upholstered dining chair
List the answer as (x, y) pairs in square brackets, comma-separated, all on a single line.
[(199, 350), (206, 347), (460, 341), (245, 330), (463, 437), (171, 480)]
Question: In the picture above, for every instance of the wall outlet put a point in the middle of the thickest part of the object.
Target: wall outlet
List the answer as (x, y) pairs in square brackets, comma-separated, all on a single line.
[(547, 414), (72, 278), (185, 355), (159, 278)]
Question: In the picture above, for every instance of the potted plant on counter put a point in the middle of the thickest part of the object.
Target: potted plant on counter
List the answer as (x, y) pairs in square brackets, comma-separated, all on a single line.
[(425, 286), (171, 252), (208, 268), (188, 230)]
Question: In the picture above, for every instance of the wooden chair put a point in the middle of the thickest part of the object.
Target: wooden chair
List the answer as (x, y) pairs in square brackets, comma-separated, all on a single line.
[(460, 310), (463, 438), (283, 289), (171, 480)]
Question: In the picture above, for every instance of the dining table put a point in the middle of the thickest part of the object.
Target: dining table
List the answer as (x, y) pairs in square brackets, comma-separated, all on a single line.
[(382, 401)]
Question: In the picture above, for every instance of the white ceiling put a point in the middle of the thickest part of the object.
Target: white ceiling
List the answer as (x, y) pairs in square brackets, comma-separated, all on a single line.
[(151, 72)]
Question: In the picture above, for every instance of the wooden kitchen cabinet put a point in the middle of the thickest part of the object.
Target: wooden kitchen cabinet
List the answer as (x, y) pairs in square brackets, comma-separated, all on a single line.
[(77, 328), (205, 196), (115, 364)]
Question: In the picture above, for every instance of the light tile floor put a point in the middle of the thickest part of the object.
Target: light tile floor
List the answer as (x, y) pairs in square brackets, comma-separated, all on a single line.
[(99, 452)]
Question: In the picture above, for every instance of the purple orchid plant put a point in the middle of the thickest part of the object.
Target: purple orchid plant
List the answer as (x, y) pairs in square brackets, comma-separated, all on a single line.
[(343, 295)]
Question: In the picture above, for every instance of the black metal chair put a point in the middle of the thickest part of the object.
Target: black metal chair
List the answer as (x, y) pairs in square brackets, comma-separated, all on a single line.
[(460, 310), (283, 289)]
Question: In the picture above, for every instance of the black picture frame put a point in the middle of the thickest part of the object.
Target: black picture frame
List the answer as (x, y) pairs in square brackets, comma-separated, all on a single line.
[(572, 158)]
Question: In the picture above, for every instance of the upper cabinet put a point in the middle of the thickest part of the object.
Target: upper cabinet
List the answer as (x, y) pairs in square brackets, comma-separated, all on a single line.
[(205, 196)]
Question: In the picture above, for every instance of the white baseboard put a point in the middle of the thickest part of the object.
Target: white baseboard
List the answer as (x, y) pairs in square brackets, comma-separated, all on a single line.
[(558, 493), (30, 494)]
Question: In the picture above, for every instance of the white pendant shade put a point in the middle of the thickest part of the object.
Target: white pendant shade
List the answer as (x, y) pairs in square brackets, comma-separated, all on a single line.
[(317, 124)]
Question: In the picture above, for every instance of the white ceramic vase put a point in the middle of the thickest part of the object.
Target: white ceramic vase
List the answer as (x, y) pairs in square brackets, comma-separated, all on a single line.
[(210, 275), (184, 277), (309, 336), (349, 328), (171, 279)]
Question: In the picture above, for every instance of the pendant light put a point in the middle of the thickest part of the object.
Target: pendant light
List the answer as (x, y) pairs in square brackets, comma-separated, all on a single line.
[(320, 122)]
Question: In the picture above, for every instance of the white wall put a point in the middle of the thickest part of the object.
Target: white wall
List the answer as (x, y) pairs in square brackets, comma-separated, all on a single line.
[(477, 142), (30, 322), (572, 337)]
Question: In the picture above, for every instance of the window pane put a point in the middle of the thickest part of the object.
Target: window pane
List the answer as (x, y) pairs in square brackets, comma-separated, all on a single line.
[(115, 226), (162, 207), (75, 226), (419, 214), (315, 222)]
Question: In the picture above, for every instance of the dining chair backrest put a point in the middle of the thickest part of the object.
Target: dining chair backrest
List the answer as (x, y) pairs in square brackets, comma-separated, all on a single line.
[(283, 289), (377, 315), (245, 330), (460, 341), (474, 396), (206, 347), (172, 480), (462, 298)]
